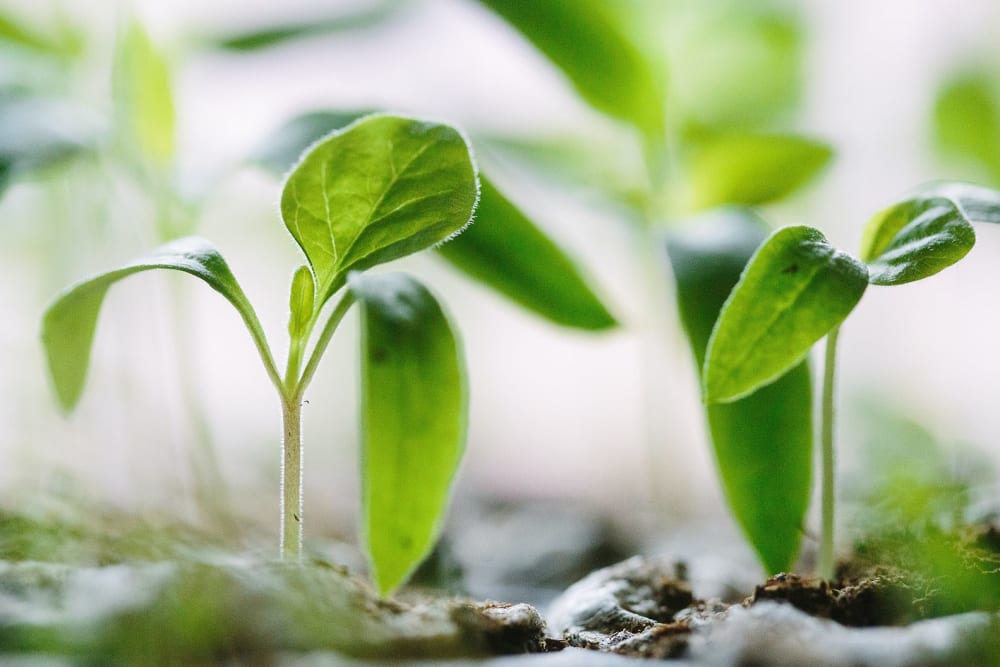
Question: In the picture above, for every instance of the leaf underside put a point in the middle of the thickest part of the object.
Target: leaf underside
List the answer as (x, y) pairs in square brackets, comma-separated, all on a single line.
[(795, 289), (762, 442), (414, 408)]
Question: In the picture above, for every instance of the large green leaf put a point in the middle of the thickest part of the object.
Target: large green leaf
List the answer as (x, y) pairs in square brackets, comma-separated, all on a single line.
[(69, 323), (967, 121), (381, 188), (414, 407), (589, 44), (762, 442), (751, 169), (919, 236), (796, 288), (507, 251), (144, 95)]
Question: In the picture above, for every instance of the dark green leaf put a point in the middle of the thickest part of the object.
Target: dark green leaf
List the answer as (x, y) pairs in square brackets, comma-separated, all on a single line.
[(751, 169), (589, 44), (967, 121), (509, 253), (301, 302), (69, 323), (382, 188), (762, 442), (414, 407), (284, 147), (917, 237), (144, 95), (796, 288)]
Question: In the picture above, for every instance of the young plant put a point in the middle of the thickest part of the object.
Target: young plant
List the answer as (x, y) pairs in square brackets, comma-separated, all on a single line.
[(382, 188), (797, 288)]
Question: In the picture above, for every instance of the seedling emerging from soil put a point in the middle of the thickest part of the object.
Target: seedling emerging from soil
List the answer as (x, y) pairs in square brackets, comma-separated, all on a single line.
[(382, 188), (797, 288)]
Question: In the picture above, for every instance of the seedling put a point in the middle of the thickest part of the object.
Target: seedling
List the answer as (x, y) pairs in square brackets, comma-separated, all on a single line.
[(382, 188), (797, 288)]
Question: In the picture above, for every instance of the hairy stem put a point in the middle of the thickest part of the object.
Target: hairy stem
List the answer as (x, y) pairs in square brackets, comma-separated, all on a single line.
[(827, 461), (291, 479)]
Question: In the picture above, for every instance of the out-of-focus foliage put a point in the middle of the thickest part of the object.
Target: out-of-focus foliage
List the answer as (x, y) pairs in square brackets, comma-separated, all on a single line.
[(144, 104), (966, 122)]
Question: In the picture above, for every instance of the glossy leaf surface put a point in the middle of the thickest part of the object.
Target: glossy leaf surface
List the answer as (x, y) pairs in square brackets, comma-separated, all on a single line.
[(144, 95), (379, 189), (978, 203), (918, 237), (69, 323), (585, 40), (762, 442), (751, 169), (414, 407), (794, 290), (506, 251)]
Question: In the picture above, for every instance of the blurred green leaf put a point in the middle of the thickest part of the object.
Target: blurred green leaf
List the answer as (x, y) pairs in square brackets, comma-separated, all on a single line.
[(414, 408), (380, 189), (763, 442), (506, 251), (69, 323), (64, 42), (144, 96), (751, 169), (796, 288), (967, 121), (284, 147), (588, 42)]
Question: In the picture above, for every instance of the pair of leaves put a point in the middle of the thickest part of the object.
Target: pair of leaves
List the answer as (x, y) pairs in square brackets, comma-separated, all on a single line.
[(414, 389), (798, 287)]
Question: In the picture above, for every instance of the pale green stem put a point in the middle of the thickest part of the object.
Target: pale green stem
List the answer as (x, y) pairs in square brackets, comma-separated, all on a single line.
[(291, 479), (827, 460)]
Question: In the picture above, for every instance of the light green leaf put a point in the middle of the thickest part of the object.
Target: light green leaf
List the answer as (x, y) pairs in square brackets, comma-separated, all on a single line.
[(796, 288), (918, 237), (589, 44), (414, 404), (379, 189), (751, 169), (967, 121), (69, 323), (143, 95), (506, 251), (301, 302), (762, 442)]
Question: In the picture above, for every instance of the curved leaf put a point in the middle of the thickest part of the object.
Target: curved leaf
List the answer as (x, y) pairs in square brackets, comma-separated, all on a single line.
[(586, 41), (752, 168), (978, 203), (69, 323), (509, 253), (414, 407), (794, 290), (763, 438), (917, 238), (379, 189)]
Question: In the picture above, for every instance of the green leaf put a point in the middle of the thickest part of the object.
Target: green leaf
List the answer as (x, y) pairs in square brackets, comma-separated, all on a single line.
[(69, 323), (283, 147), (301, 302), (414, 406), (381, 188), (589, 44), (762, 442), (796, 288), (918, 237), (967, 121), (506, 251), (143, 95), (751, 169), (978, 203)]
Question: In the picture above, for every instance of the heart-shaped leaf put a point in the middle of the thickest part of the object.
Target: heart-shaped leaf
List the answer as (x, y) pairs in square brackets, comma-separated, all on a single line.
[(381, 188), (414, 407), (796, 288), (763, 438), (68, 324)]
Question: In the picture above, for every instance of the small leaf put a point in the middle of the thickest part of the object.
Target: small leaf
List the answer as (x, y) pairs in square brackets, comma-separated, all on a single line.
[(301, 302), (69, 323), (967, 121), (586, 41), (752, 169), (761, 438), (509, 253), (917, 238), (796, 288), (144, 96), (381, 188), (414, 407)]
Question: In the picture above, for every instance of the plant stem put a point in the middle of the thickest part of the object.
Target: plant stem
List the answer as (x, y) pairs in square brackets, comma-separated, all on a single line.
[(827, 462), (291, 479)]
